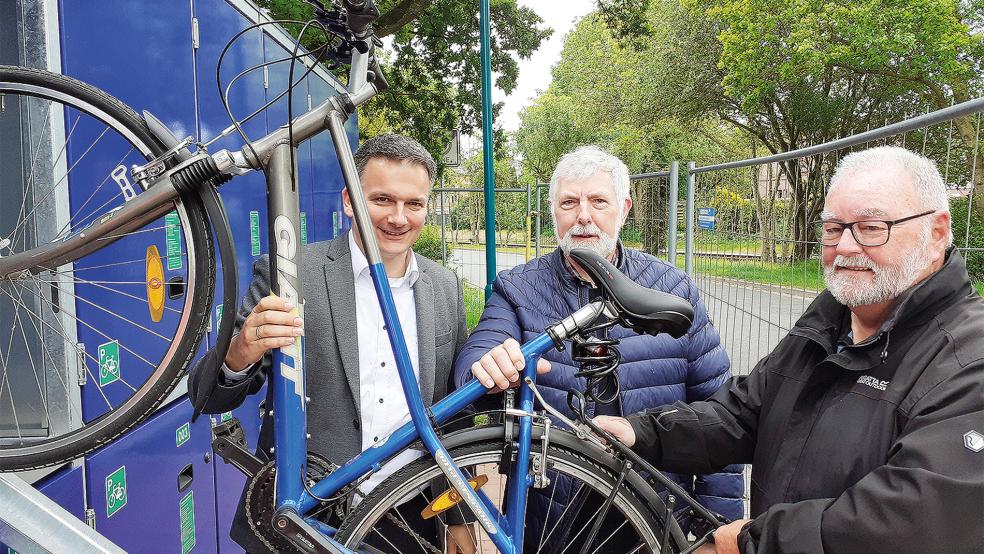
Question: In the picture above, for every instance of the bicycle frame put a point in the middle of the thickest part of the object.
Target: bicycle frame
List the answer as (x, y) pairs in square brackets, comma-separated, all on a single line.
[(287, 376)]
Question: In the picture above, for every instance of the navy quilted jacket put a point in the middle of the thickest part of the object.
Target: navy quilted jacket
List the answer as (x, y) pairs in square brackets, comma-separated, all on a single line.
[(654, 370)]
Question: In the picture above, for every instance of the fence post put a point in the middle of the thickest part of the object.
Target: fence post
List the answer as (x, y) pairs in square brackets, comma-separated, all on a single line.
[(688, 262), (671, 223), (539, 219), (529, 219), (444, 224)]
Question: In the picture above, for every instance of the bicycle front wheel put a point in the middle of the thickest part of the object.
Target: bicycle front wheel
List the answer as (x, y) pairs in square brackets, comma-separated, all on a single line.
[(91, 347), (561, 516)]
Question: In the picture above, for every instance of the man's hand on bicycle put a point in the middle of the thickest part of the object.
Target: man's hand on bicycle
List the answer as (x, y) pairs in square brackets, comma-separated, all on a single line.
[(273, 323), (499, 369), (619, 428)]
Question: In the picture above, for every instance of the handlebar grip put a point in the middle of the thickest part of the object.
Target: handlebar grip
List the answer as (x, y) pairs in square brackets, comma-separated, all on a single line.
[(360, 15)]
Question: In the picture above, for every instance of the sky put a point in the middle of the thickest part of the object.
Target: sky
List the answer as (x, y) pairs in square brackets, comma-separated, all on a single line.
[(534, 73)]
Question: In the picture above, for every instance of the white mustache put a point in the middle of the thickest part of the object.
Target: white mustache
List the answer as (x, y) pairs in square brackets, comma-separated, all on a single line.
[(589, 229), (855, 261)]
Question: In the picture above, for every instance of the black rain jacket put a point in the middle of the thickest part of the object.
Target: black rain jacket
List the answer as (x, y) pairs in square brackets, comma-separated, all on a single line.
[(876, 448)]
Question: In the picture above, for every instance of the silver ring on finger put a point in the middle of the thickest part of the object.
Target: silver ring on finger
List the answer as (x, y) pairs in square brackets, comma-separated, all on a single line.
[(256, 331)]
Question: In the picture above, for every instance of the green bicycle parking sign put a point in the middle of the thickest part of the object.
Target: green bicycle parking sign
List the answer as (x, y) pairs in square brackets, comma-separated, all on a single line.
[(109, 363), (115, 491)]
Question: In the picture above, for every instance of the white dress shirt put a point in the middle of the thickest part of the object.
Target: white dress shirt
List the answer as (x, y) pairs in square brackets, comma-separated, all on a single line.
[(382, 405)]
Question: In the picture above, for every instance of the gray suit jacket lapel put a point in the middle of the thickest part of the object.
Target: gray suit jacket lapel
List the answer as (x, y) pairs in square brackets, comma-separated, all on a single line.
[(423, 297), (340, 284)]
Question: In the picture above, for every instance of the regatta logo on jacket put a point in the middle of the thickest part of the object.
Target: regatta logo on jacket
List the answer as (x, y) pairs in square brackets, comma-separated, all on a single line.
[(872, 382), (974, 441)]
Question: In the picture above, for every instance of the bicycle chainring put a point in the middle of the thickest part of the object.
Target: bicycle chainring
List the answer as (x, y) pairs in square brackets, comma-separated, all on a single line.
[(260, 496)]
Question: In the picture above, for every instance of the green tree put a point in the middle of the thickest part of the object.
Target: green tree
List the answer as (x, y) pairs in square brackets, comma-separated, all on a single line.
[(468, 211), (797, 73), (596, 97), (434, 71)]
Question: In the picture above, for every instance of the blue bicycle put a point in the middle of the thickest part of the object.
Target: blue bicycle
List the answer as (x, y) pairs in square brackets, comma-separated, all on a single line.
[(478, 470)]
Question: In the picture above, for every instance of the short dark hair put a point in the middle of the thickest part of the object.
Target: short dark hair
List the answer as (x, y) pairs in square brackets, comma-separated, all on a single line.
[(397, 148)]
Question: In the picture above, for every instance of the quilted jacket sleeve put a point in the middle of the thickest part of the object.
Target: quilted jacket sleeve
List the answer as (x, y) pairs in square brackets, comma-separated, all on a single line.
[(709, 368), (498, 323)]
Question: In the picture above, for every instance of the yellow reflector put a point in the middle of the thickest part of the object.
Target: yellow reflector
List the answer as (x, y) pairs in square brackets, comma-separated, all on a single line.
[(155, 284), (450, 497)]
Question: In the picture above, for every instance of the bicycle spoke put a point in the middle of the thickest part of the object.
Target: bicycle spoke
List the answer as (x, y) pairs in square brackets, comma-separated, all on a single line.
[(29, 184), (30, 357), (72, 218), (553, 491), (382, 536), (68, 341), (110, 312), (127, 262), (564, 513), (38, 202), (5, 384), (122, 293), (97, 331), (44, 345), (609, 537), (34, 159)]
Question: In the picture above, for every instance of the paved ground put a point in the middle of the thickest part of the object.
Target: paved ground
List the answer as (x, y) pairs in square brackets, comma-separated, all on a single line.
[(470, 264), (751, 317)]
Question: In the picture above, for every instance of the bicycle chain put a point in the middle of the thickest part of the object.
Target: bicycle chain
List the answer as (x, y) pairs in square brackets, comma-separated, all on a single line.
[(420, 540), (260, 495)]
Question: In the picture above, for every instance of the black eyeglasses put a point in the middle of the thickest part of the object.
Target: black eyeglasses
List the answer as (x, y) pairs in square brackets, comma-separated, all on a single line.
[(869, 232)]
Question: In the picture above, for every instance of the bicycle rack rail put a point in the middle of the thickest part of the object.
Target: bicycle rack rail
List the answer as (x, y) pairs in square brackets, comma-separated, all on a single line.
[(31, 522)]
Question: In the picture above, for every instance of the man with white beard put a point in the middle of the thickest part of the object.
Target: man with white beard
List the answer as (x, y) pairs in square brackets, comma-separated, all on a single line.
[(865, 425), (589, 199)]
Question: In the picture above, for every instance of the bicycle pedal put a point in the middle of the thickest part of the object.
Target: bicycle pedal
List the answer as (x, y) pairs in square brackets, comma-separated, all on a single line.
[(229, 442)]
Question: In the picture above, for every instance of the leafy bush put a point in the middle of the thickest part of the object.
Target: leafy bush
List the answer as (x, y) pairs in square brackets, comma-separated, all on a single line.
[(631, 235), (429, 243), (975, 258)]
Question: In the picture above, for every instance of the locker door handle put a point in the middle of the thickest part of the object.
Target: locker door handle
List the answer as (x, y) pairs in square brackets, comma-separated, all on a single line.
[(185, 477)]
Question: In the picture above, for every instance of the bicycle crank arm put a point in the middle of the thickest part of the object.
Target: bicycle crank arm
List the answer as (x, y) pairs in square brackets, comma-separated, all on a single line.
[(305, 538), (230, 443)]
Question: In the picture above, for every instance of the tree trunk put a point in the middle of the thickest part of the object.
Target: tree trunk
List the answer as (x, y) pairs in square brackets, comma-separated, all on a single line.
[(653, 221)]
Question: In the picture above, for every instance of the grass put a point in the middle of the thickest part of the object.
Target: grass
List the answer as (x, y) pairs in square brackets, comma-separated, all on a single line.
[(979, 285), (508, 249), (474, 304), (805, 274)]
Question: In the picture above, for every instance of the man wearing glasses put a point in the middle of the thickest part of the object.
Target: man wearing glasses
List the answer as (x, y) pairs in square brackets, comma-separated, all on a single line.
[(865, 425)]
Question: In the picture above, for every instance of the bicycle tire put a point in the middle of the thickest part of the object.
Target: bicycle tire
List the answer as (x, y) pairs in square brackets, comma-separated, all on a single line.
[(195, 292), (636, 501)]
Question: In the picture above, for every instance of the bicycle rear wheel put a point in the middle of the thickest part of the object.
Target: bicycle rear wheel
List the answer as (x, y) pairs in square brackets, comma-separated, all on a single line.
[(389, 518), (89, 348)]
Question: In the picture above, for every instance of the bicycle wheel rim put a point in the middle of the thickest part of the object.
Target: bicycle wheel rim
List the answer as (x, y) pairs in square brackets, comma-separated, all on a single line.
[(365, 520), (61, 99)]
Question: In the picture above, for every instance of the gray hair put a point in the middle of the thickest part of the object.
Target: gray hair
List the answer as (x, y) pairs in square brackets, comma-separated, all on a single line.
[(928, 183), (583, 162), (397, 148)]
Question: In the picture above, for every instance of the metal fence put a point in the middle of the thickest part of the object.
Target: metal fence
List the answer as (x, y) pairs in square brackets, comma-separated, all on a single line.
[(456, 217), (747, 234), (740, 229)]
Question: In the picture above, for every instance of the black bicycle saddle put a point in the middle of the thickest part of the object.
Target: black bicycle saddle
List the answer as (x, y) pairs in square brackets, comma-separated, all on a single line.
[(640, 309)]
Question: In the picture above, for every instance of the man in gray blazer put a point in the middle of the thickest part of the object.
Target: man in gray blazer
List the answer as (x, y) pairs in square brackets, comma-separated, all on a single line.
[(356, 399)]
